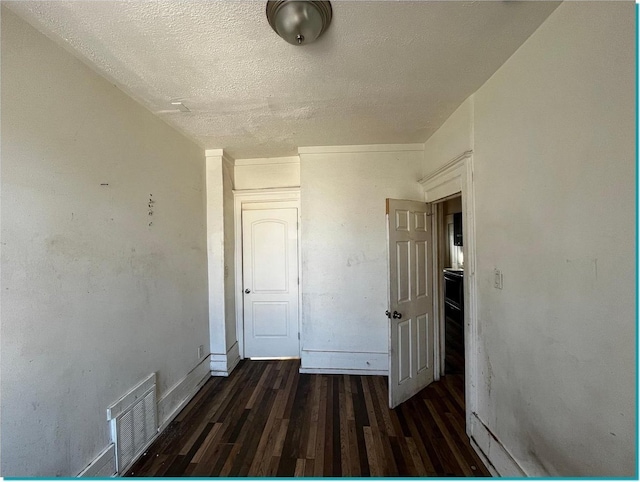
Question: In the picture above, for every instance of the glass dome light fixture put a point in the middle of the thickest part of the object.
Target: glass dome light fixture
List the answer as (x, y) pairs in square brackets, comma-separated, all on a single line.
[(299, 22)]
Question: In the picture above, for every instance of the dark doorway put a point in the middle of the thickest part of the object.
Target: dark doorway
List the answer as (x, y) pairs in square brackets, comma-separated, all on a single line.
[(453, 282)]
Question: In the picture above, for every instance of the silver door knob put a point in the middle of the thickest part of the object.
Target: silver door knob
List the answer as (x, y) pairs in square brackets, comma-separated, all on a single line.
[(247, 291)]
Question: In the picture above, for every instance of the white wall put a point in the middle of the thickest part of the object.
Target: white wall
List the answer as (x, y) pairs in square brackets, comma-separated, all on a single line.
[(221, 251), (93, 299), (344, 252), (229, 255), (554, 182), (452, 139), (215, 173), (267, 173)]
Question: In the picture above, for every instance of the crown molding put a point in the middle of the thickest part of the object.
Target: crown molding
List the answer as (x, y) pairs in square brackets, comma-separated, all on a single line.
[(361, 148), (259, 161), (452, 164)]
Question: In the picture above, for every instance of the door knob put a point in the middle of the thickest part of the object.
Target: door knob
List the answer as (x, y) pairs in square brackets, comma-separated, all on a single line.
[(247, 291), (396, 315), (388, 313)]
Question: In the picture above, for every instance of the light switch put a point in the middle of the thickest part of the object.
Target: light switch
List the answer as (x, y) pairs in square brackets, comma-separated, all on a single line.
[(497, 279)]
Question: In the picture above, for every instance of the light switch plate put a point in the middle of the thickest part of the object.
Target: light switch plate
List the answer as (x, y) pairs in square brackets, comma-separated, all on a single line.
[(497, 279)]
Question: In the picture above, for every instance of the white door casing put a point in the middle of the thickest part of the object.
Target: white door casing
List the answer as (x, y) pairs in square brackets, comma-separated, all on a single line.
[(270, 282), (411, 330), (456, 177)]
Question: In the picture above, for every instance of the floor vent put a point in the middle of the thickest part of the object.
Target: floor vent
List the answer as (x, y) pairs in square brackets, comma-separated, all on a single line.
[(133, 422)]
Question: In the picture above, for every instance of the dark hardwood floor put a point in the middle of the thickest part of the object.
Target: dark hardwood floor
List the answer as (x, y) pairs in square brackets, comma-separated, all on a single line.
[(267, 419)]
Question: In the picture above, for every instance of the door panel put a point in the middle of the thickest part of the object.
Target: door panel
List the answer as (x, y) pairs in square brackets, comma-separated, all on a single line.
[(422, 338), (270, 319), (421, 271), (410, 299), (269, 256), (404, 271), (404, 351), (270, 279)]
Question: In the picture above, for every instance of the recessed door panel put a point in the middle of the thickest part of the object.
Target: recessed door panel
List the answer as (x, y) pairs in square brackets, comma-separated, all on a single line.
[(270, 258), (421, 221), (404, 271), (420, 268), (402, 220), (423, 339), (404, 351), (270, 319)]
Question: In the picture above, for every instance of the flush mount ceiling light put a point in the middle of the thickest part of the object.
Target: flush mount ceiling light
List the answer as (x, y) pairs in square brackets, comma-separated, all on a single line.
[(299, 21)]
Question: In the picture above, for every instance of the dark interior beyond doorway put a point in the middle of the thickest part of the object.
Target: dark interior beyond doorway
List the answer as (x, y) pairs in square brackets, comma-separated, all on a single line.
[(454, 347), (453, 278)]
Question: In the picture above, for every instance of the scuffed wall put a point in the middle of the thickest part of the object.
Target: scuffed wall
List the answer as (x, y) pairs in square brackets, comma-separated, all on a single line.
[(344, 253), (96, 293), (553, 141)]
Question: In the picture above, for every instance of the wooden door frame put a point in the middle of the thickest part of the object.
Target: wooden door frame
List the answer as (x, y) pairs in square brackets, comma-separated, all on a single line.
[(456, 177), (260, 199)]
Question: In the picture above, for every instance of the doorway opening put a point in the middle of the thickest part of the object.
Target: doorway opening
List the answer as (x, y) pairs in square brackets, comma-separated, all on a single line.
[(455, 180), (452, 275)]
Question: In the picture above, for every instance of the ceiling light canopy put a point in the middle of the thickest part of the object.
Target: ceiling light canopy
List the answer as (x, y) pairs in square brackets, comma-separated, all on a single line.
[(299, 21)]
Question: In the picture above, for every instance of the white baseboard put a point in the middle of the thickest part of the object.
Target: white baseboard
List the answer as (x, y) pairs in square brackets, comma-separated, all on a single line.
[(342, 362), (104, 465), (177, 397), (341, 371), (222, 364), (487, 463), (494, 455)]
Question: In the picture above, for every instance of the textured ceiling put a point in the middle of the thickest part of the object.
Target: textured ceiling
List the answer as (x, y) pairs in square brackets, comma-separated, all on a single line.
[(384, 72)]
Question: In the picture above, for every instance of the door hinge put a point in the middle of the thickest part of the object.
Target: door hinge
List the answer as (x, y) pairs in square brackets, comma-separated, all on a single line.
[(298, 335)]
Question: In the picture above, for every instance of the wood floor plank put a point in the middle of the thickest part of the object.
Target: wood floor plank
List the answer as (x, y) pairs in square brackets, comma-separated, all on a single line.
[(226, 469), (313, 419), (345, 453), (372, 455), (362, 420), (321, 432), (462, 463), (328, 431), (309, 468), (211, 437), (299, 472), (421, 439), (266, 420), (415, 456), (382, 392)]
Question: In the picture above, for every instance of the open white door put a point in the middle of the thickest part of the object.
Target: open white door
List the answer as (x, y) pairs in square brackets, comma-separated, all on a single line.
[(411, 330), (270, 278)]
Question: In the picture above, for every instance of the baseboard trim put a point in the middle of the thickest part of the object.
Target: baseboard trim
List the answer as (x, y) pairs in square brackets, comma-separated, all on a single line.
[(495, 456), (487, 463), (104, 465), (177, 397), (341, 371), (330, 362), (222, 364)]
